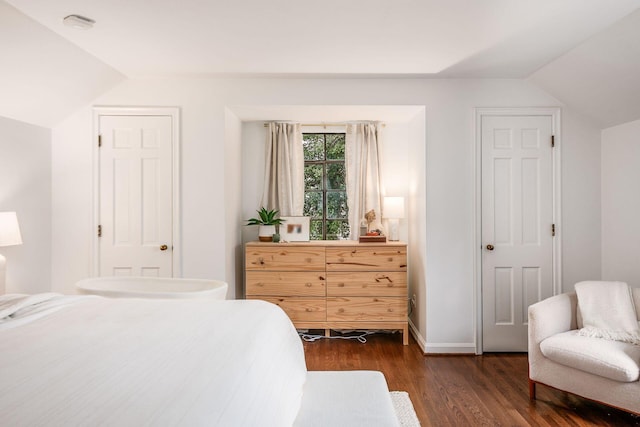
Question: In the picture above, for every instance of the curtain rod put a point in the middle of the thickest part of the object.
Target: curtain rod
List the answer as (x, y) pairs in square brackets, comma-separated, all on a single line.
[(323, 124)]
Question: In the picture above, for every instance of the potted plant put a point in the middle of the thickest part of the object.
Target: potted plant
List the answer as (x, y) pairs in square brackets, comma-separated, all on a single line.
[(267, 221)]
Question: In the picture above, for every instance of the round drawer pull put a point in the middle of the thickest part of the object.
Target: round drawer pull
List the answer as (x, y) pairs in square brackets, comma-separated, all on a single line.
[(341, 310), (308, 285)]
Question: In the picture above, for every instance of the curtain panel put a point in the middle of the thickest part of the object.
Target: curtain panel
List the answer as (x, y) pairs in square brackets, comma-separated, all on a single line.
[(362, 156), (284, 169)]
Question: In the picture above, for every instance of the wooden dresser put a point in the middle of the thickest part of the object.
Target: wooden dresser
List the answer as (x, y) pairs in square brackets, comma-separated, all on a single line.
[(332, 284)]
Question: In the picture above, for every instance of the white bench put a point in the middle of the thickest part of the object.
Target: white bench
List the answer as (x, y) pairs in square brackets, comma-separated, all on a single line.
[(346, 399)]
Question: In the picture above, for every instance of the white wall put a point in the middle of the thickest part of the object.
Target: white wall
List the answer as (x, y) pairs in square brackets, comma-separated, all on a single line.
[(417, 226), (25, 187), (621, 203), (580, 200), (233, 204), (448, 302)]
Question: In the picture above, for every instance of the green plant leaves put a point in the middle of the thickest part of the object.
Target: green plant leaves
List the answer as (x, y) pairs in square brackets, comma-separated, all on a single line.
[(265, 217)]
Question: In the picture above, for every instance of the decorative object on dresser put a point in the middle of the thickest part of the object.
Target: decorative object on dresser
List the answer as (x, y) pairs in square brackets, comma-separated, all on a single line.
[(9, 236), (372, 235), (332, 284), (267, 221), (295, 228)]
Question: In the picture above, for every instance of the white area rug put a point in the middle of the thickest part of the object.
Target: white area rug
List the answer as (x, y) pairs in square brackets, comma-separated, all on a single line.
[(404, 409)]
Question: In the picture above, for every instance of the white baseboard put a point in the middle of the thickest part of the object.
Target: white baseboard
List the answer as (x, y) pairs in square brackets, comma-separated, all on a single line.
[(451, 348), (419, 338), (440, 348)]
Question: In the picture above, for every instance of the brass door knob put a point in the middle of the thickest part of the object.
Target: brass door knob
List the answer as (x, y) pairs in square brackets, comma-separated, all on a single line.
[(164, 247), (490, 247)]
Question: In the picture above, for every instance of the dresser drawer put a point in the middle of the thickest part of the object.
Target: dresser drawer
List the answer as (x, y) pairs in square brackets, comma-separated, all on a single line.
[(285, 258), (367, 258), (300, 309), (290, 283), (366, 309), (365, 283)]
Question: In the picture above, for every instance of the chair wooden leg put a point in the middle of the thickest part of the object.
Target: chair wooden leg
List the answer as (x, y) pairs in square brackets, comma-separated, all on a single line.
[(532, 389)]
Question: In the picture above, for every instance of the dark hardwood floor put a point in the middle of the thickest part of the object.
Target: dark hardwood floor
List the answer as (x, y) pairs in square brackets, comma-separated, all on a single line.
[(488, 390)]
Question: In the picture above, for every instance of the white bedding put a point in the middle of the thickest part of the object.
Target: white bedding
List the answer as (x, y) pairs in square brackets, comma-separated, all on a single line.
[(134, 362)]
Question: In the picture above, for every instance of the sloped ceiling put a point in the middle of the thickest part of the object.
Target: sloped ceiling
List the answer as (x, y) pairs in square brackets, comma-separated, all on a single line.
[(53, 69), (44, 77), (505, 38), (600, 77)]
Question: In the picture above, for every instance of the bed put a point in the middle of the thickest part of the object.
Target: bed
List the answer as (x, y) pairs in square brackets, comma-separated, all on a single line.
[(90, 360)]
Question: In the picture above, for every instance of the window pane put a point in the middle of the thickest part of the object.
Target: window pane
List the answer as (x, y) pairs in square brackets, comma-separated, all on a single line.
[(337, 229), (325, 185), (335, 146), (315, 230), (337, 204), (313, 177), (336, 178), (313, 204), (313, 146)]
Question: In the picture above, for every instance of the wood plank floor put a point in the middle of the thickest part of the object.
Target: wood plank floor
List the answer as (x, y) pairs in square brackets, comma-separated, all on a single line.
[(488, 390)]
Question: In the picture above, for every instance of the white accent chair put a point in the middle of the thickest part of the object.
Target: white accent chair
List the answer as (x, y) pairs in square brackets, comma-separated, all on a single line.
[(593, 368)]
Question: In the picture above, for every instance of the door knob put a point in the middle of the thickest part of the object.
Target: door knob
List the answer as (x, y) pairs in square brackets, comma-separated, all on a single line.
[(489, 247), (164, 247)]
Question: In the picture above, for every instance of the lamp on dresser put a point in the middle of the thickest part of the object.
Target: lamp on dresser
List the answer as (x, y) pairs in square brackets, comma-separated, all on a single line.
[(393, 212), (9, 236)]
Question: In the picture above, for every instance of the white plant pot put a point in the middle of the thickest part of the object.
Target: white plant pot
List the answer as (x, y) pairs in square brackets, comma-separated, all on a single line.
[(266, 232)]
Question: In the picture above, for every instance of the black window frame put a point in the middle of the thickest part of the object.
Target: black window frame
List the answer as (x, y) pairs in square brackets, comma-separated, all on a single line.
[(325, 190)]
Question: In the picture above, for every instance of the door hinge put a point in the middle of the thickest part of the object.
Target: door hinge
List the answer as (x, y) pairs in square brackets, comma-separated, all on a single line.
[(553, 230), (99, 140), (553, 141), (99, 231)]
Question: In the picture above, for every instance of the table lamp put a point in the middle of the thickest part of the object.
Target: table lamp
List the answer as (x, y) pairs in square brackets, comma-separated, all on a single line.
[(393, 211), (9, 236)]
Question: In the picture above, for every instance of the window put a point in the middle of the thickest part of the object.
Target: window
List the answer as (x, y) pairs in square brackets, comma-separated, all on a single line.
[(325, 189)]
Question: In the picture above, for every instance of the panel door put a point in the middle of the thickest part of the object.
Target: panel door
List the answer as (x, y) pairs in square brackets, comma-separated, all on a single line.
[(517, 217), (135, 187)]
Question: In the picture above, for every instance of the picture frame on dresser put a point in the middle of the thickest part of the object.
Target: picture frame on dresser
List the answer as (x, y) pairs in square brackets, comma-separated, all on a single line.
[(294, 228)]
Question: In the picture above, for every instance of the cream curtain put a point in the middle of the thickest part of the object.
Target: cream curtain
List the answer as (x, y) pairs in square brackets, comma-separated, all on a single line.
[(362, 156), (284, 169)]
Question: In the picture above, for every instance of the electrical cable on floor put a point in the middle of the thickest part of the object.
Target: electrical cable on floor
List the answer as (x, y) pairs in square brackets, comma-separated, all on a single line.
[(361, 337)]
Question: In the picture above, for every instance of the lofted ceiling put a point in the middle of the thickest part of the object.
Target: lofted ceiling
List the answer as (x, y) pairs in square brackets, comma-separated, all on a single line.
[(354, 38), (600, 77), (488, 38)]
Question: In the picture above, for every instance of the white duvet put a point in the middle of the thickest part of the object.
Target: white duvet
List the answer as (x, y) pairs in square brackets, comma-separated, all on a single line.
[(134, 362)]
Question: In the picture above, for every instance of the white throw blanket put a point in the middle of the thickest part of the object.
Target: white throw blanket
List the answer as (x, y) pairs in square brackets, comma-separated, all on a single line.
[(608, 311), (18, 309)]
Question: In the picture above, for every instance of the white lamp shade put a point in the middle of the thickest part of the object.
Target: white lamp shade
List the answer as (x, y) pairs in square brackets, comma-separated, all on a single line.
[(9, 229), (394, 207)]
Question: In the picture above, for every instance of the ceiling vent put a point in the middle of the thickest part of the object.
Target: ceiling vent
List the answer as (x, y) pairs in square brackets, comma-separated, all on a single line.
[(78, 22)]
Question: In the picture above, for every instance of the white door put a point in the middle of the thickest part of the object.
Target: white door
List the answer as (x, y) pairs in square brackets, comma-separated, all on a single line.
[(135, 196), (517, 225)]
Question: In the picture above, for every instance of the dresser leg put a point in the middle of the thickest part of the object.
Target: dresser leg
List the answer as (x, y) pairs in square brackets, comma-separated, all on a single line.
[(327, 332), (405, 335)]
